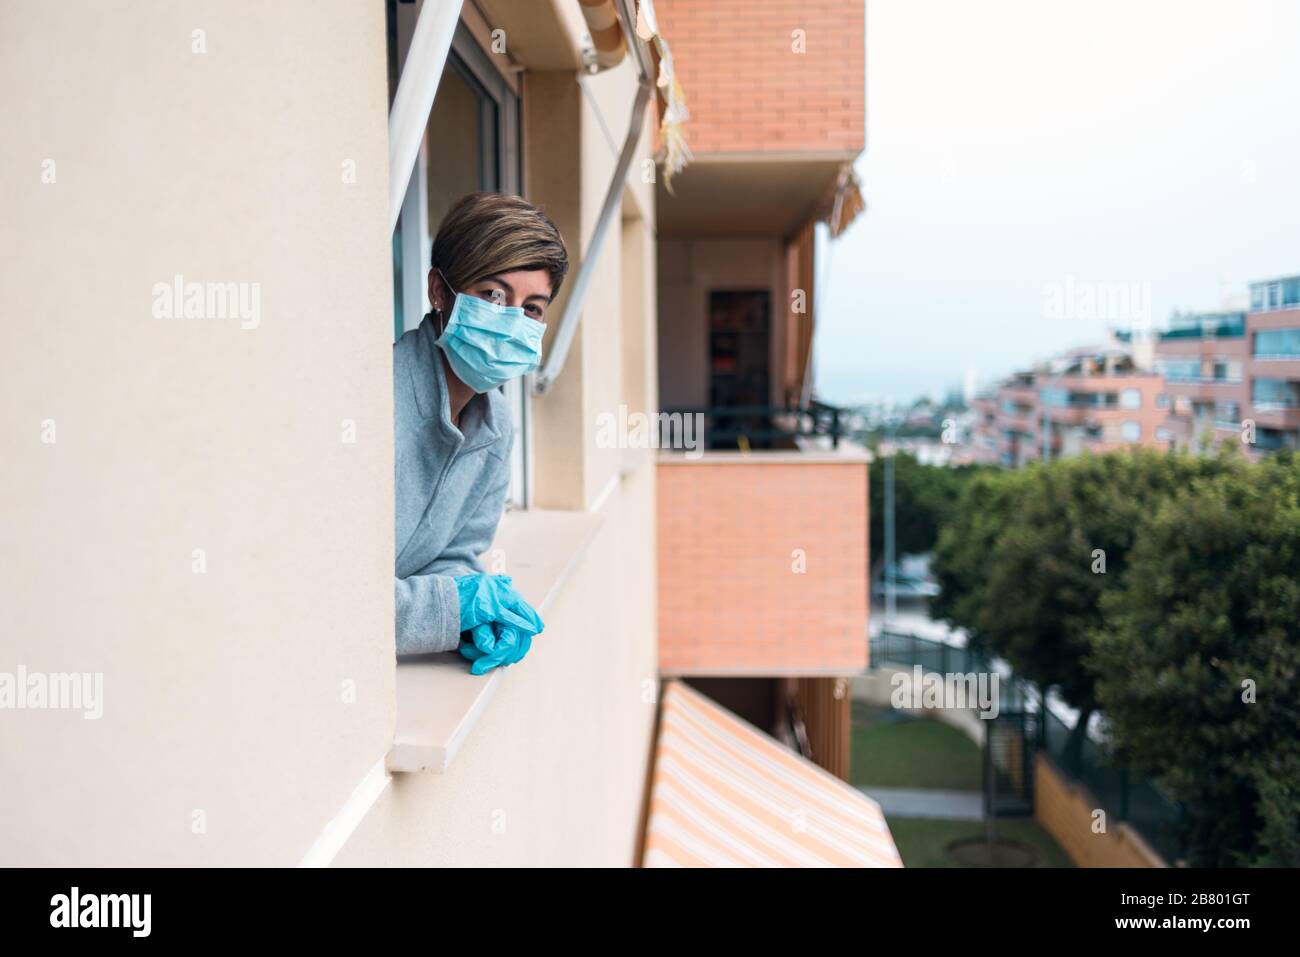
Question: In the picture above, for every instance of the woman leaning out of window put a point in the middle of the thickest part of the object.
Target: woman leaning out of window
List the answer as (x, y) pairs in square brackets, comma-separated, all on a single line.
[(497, 265)]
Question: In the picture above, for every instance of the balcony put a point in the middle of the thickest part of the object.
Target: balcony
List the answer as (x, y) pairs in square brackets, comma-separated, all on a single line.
[(1073, 414), (763, 563), (747, 427), (1204, 388), (1276, 367), (1275, 415)]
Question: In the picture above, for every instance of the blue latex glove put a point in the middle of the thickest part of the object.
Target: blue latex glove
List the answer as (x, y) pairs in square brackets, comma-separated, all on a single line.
[(492, 598), (509, 647)]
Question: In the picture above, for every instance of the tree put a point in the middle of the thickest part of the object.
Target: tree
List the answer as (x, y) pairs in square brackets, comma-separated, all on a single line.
[(1197, 661), (1032, 553)]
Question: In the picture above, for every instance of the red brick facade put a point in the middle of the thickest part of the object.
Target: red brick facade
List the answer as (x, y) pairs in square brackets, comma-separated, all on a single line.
[(748, 89), (732, 597)]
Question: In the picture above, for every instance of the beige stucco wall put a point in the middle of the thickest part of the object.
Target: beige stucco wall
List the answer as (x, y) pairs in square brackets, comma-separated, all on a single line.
[(255, 696), (554, 770), (223, 691)]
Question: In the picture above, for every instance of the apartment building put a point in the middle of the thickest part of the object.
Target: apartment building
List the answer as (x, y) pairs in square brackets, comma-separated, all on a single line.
[(1233, 377), (1273, 363), (198, 509), (1094, 399), (763, 564), (1202, 357)]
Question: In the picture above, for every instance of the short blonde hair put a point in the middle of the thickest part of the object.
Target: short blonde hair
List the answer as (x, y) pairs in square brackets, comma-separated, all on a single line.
[(489, 233)]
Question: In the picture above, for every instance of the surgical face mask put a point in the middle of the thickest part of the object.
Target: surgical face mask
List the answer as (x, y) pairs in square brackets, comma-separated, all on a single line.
[(489, 344)]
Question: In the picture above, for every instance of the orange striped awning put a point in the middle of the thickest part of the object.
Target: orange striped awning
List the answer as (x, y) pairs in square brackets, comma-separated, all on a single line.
[(724, 794)]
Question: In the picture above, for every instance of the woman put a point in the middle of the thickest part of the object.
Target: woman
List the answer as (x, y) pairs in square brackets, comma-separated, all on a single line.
[(497, 265)]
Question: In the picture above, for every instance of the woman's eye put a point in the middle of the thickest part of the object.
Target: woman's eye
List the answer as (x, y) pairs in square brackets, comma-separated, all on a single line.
[(533, 312)]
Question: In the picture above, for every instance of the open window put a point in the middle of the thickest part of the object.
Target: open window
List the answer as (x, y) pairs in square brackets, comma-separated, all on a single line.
[(471, 142)]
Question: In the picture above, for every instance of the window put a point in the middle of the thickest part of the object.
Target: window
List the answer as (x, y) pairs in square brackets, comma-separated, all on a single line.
[(1130, 399), (1131, 431), (481, 105), (1273, 439), (1162, 400), (1279, 294), (1054, 397), (1226, 370), (1227, 413), (1275, 394), (1277, 344), (1182, 370)]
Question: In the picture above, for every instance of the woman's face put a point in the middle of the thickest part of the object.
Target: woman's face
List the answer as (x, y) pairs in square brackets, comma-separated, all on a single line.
[(527, 289)]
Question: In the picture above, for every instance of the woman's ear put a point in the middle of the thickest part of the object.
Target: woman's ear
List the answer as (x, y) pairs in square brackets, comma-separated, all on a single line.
[(439, 295)]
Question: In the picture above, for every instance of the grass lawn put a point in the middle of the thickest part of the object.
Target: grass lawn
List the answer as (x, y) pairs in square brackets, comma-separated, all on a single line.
[(893, 751), (921, 842)]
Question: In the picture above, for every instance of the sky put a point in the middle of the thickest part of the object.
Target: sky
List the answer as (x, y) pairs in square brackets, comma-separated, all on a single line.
[(1027, 159)]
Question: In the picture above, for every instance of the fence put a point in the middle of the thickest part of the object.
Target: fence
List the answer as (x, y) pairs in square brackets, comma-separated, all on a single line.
[(1124, 796), (940, 657)]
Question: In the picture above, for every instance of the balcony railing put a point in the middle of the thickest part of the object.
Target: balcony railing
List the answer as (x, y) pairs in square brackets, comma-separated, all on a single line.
[(767, 426)]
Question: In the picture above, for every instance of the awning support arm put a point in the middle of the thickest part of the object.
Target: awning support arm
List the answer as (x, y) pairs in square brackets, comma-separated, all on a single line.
[(568, 328)]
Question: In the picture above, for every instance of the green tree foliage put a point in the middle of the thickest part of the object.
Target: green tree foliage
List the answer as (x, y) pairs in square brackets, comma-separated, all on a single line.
[(1029, 555), (1208, 613)]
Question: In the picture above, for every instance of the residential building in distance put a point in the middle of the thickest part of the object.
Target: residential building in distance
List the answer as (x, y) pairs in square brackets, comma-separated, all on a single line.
[(1093, 399), (1202, 357), (1227, 377), (1273, 363)]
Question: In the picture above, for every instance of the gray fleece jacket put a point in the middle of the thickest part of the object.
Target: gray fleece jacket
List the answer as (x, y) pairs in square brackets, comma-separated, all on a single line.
[(451, 490)]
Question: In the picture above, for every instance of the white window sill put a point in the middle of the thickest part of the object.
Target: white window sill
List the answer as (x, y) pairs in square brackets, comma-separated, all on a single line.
[(438, 700)]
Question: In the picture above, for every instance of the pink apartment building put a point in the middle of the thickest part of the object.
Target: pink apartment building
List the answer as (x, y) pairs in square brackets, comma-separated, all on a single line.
[(1203, 357), (1087, 400), (1272, 363)]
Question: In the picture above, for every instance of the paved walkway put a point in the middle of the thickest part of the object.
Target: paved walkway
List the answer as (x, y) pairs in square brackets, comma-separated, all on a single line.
[(930, 803)]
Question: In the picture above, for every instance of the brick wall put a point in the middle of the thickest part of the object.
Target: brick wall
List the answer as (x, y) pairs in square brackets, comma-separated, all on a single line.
[(746, 88), (730, 598)]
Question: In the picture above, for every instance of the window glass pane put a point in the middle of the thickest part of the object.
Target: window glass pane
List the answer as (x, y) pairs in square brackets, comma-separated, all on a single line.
[(1275, 392), (1131, 431), (1130, 399), (1291, 291), (1184, 370), (457, 141), (1277, 343)]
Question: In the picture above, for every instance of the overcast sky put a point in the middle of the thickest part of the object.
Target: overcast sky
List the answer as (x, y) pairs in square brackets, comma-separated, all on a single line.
[(1019, 149)]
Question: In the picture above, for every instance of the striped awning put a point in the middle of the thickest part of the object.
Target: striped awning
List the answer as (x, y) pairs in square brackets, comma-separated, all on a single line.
[(724, 794)]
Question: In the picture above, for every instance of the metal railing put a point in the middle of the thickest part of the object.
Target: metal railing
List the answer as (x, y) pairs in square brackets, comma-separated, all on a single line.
[(762, 425), (1124, 796)]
